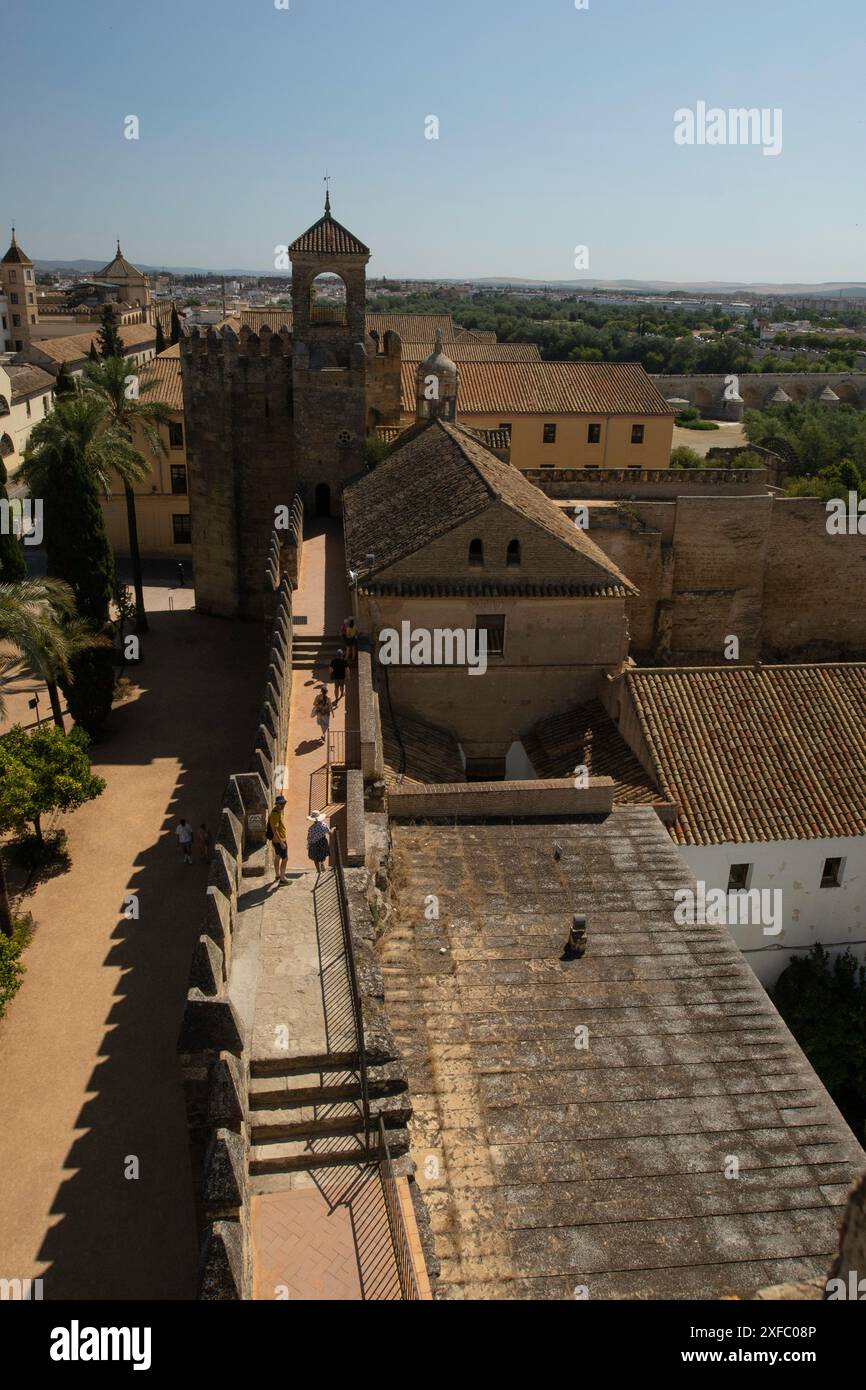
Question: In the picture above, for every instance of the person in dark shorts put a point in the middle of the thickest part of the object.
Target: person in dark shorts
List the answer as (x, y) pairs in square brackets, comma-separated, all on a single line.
[(338, 676), (276, 833), (318, 841), (349, 634)]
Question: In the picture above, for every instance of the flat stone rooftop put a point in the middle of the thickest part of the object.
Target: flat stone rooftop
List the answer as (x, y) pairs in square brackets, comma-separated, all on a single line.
[(550, 1167)]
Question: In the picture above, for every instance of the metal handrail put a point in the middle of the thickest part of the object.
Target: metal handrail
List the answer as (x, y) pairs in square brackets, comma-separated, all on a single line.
[(396, 1224), (352, 971), (344, 747)]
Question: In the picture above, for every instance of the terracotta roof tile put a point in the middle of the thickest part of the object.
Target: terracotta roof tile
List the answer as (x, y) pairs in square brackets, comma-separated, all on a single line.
[(328, 237), (586, 735), (437, 476), (460, 351), (756, 753), (164, 371), (551, 388)]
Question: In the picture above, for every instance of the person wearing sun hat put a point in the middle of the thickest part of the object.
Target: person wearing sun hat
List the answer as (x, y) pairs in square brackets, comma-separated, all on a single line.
[(317, 840), (278, 838)]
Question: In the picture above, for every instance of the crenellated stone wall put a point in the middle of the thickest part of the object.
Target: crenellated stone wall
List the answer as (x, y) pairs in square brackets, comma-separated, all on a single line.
[(212, 1045)]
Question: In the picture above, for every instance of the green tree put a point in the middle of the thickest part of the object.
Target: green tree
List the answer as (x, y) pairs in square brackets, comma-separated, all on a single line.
[(109, 338), (65, 382), (93, 354), (160, 337), (68, 451), (684, 457), (12, 566), (175, 326), (117, 385), (43, 771), (823, 1002)]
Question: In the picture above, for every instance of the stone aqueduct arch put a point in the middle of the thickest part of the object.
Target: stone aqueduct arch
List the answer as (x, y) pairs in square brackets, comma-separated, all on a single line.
[(707, 391)]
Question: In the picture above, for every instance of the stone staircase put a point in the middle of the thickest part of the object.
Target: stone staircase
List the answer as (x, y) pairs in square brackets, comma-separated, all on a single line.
[(307, 1113), (312, 650)]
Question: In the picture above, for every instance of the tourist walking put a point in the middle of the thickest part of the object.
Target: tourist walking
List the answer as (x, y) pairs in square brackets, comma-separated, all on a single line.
[(317, 840), (181, 577), (184, 834), (322, 711), (349, 634), (338, 676), (205, 843), (276, 833)]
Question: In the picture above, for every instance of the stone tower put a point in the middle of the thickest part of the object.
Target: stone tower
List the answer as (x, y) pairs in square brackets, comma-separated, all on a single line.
[(436, 383), (237, 397), (18, 287), (269, 415), (330, 360)]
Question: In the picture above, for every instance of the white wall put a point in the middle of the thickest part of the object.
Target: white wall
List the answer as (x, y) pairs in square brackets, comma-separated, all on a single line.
[(834, 916)]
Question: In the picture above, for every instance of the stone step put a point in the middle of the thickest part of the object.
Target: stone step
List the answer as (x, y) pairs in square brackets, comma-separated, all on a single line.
[(322, 1152), (324, 1084), (333, 1117), (279, 1064)]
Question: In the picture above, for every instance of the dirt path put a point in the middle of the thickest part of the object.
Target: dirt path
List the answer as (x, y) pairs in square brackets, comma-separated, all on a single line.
[(89, 1087)]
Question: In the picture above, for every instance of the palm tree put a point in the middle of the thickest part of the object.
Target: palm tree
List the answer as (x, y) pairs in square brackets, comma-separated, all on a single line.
[(110, 382), (32, 613), (38, 619)]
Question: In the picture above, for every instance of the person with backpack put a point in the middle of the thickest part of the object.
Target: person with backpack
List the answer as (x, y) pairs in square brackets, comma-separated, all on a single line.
[(276, 833), (322, 711)]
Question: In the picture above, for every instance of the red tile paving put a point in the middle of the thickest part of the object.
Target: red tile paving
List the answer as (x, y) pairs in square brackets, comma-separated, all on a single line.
[(325, 1239)]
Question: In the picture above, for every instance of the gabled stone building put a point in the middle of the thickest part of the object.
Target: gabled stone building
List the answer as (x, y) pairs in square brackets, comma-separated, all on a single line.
[(444, 536)]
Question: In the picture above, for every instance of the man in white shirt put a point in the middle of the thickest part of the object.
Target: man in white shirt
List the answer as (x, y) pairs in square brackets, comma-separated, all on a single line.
[(184, 833)]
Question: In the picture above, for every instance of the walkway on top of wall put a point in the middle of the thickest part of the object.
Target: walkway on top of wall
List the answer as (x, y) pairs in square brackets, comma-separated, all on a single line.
[(320, 1231), (322, 597)]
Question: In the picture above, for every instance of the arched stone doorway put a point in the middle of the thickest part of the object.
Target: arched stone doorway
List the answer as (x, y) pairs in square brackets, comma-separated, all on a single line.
[(323, 499)]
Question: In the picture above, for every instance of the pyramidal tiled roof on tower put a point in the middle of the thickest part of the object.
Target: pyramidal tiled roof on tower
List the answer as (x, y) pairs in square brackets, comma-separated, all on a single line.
[(15, 256), (119, 268), (328, 237)]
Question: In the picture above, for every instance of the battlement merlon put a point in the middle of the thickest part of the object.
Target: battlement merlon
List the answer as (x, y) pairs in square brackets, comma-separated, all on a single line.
[(227, 343)]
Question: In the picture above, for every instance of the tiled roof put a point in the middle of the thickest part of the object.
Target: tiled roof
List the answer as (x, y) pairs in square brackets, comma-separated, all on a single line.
[(498, 440), (414, 328), (437, 477), (330, 238), (420, 329), (26, 380), (417, 753), (164, 371), (15, 256), (552, 388), (585, 735), (134, 336), (474, 335), (460, 351), (756, 753), (457, 588), (602, 1165), (119, 269)]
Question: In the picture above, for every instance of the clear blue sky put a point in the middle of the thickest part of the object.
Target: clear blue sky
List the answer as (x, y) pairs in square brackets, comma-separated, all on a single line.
[(556, 129)]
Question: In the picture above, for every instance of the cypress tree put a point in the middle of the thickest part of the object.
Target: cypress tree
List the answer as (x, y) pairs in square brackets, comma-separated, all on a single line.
[(64, 385), (175, 326), (109, 338), (93, 354), (160, 336), (12, 566)]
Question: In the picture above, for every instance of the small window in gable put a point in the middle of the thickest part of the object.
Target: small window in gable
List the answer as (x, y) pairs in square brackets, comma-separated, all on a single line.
[(512, 556), (476, 554)]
